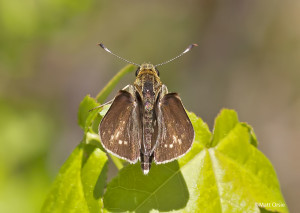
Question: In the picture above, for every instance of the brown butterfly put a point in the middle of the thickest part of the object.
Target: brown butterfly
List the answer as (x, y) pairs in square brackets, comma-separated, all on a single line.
[(145, 122)]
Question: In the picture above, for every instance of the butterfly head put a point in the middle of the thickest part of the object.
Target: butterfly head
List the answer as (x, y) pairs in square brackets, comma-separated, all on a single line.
[(147, 69)]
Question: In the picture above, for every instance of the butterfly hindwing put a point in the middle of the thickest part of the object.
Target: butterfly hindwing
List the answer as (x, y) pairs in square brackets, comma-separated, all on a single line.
[(120, 129), (175, 130)]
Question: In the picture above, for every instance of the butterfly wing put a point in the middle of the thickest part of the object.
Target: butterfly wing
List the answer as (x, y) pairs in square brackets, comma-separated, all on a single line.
[(175, 130), (120, 130)]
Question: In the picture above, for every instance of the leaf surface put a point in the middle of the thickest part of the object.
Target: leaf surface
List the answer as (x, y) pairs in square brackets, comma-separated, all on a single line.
[(80, 183), (231, 175)]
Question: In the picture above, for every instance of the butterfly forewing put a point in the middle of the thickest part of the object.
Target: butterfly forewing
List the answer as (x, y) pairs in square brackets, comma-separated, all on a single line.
[(175, 130), (120, 129)]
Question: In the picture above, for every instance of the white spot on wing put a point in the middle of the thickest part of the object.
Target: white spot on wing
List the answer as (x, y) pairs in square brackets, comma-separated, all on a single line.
[(179, 141), (120, 142), (125, 142), (171, 145), (166, 145)]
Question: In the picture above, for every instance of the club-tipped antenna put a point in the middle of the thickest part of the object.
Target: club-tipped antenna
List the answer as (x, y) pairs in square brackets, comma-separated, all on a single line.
[(107, 50), (181, 54)]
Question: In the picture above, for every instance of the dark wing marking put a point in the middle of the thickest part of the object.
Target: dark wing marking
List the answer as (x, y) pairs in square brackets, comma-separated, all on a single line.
[(120, 130), (175, 130)]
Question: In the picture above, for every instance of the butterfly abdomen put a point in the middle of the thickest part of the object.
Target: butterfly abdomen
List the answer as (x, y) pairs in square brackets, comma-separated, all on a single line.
[(147, 86), (148, 116)]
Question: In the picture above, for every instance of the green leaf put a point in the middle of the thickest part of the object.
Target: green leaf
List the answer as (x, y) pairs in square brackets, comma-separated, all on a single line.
[(232, 176), (164, 189), (104, 110), (252, 139), (202, 133), (80, 183), (93, 178), (224, 123), (242, 172), (86, 117)]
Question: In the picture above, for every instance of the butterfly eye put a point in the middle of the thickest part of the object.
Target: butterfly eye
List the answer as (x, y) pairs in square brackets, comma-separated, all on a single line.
[(157, 72), (137, 71)]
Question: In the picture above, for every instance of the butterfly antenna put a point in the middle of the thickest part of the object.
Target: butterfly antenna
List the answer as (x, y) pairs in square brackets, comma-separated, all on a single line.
[(181, 54), (107, 50)]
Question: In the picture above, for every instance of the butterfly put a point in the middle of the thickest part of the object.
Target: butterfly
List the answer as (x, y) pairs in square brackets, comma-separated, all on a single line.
[(145, 122)]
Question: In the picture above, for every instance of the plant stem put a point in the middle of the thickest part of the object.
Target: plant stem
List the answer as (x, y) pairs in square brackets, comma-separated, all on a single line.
[(102, 95)]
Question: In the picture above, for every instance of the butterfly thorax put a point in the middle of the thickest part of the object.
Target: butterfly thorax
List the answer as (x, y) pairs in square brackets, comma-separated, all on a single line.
[(147, 81), (148, 86)]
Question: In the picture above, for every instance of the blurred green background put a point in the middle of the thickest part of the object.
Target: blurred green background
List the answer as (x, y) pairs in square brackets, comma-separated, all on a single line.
[(248, 59)]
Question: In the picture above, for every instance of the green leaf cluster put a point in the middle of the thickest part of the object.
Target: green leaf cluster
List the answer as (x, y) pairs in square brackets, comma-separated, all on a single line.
[(223, 172)]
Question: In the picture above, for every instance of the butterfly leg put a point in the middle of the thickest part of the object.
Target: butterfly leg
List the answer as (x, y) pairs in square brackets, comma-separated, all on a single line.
[(130, 88), (102, 105)]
